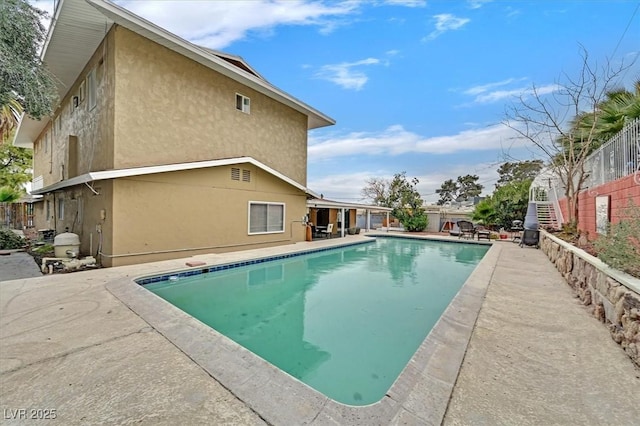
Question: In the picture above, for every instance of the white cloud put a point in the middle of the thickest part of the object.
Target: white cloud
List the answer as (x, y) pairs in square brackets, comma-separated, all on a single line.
[(523, 92), (345, 74), (477, 4), (476, 90), (484, 94), (216, 24), (407, 3), (446, 22), (395, 140)]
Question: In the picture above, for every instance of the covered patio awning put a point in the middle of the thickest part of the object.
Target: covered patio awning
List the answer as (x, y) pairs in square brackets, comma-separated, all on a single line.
[(322, 203)]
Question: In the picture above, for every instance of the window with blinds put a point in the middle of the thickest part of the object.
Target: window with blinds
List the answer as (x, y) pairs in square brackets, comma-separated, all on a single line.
[(266, 218)]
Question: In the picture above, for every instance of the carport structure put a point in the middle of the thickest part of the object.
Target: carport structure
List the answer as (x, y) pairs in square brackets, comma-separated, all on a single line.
[(342, 214)]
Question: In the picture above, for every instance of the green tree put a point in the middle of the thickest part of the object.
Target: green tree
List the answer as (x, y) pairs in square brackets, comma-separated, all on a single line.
[(511, 201), (23, 76), (15, 164), (406, 202), (518, 171), (506, 204), (468, 187), (448, 191)]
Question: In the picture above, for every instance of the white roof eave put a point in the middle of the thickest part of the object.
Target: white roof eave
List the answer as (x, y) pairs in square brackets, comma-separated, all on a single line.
[(329, 204), (140, 171)]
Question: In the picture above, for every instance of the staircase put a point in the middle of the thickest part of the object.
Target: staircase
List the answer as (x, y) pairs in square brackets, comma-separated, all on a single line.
[(547, 217)]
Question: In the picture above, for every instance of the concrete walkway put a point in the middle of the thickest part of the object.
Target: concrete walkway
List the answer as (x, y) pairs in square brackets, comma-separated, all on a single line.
[(17, 265), (536, 356)]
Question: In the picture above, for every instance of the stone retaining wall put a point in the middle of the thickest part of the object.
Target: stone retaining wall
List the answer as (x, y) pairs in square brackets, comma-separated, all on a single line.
[(613, 297)]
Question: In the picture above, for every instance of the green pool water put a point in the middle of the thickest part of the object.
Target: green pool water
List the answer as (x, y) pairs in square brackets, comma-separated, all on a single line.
[(344, 321)]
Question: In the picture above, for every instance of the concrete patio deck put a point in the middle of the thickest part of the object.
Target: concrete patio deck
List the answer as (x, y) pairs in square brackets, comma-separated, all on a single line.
[(535, 355)]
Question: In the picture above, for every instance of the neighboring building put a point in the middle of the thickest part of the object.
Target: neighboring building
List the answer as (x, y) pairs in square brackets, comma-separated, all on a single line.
[(160, 148)]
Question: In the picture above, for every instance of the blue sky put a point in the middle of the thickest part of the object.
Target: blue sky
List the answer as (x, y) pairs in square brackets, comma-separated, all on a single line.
[(415, 86)]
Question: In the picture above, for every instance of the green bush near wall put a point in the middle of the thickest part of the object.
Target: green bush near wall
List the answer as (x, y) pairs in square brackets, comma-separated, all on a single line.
[(9, 240), (620, 248)]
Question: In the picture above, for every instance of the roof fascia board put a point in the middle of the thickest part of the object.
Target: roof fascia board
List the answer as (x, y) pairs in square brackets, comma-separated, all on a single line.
[(127, 19), (140, 171), (340, 205)]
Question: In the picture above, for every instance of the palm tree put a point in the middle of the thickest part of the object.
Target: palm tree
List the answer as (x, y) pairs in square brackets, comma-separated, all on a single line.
[(620, 107), (10, 114)]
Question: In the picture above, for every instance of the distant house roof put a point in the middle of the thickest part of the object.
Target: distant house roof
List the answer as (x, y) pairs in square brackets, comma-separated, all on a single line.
[(79, 26), (140, 171)]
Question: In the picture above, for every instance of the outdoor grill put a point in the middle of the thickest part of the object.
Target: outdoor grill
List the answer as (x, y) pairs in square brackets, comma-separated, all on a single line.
[(531, 233)]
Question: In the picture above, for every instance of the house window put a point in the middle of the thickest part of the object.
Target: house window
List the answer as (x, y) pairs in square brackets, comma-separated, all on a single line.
[(246, 175), (48, 210), (235, 173), (46, 142), (81, 92), (61, 208), (243, 103), (91, 87), (266, 218)]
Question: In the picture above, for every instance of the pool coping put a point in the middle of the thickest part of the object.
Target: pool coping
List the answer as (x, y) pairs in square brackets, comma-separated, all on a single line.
[(420, 394)]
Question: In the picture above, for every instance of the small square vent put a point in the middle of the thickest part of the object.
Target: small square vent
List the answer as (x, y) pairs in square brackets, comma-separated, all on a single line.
[(235, 173), (246, 175)]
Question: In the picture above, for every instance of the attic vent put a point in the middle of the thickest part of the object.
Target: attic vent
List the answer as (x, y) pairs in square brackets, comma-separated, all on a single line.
[(235, 173), (246, 175)]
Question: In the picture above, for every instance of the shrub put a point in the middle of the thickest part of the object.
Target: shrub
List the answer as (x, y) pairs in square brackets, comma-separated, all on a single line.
[(415, 223), (620, 248), (44, 250), (9, 240)]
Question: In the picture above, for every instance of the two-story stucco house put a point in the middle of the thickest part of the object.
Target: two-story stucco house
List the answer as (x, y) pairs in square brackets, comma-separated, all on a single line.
[(160, 148)]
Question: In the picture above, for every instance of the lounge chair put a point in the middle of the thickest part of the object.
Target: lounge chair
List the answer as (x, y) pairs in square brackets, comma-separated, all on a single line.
[(328, 232), (467, 230)]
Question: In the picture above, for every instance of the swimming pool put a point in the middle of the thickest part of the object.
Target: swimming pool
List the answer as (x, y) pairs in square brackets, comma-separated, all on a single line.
[(345, 321)]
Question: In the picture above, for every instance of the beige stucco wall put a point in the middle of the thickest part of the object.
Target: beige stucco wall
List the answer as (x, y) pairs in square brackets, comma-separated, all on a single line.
[(170, 109), (82, 215), (179, 214), (157, 107), (93, 127)]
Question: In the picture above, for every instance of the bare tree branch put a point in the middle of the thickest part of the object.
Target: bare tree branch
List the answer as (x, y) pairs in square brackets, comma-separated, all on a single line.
[(551, 122)]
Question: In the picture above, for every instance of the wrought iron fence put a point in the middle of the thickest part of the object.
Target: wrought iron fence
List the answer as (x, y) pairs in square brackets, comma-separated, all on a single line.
[(617, 158)]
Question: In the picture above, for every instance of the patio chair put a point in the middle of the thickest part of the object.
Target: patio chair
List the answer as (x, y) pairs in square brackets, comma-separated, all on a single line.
[(328, 232), (467, 230), (483, 232)]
